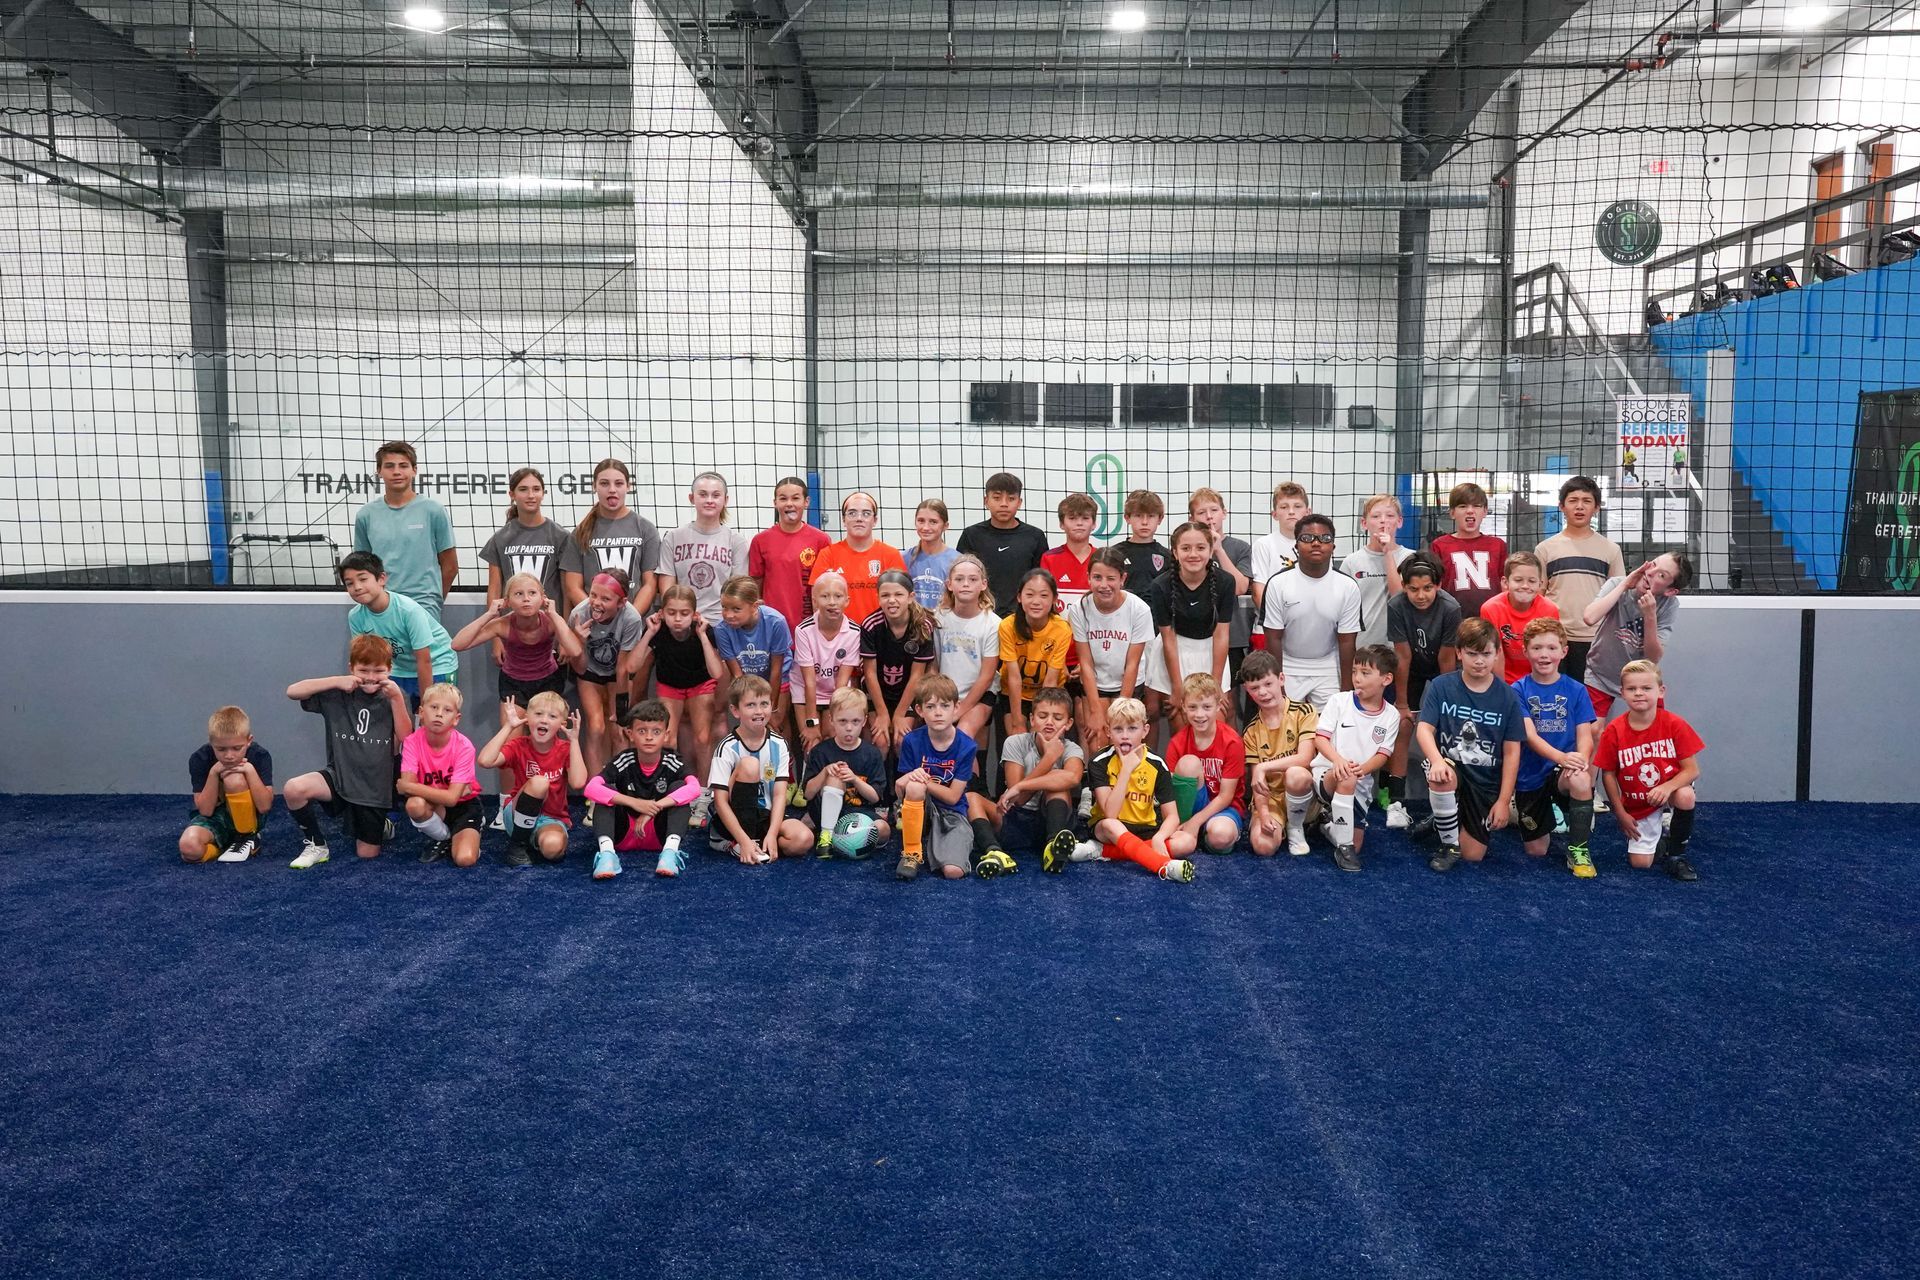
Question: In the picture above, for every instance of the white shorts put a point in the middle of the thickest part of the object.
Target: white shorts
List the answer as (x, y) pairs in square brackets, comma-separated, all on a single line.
[(1196, 658), (1363, 790), (1315, 687), (1646, 833)]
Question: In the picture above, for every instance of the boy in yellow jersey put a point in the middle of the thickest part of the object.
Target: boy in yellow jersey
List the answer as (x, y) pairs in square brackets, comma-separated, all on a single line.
[(1133, 794)]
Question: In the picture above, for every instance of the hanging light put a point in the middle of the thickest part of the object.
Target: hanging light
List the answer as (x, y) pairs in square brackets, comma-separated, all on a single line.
[(1128, 18)]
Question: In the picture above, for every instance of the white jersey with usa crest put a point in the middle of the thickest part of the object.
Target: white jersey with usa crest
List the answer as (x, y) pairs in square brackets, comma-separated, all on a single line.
[(1355, 732)]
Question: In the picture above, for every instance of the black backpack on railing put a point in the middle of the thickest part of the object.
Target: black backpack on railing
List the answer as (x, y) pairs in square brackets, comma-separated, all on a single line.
[(1782, 277), (1654, 315), (1720, 296), (1828, 267), (1899, 246)]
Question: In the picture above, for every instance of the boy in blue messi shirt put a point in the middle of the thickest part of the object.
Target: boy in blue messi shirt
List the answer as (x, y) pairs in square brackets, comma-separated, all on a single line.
[(1557, 768), (1470, 732)]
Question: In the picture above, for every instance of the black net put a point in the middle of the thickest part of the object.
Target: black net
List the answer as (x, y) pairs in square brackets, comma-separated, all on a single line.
[(1372, 248)]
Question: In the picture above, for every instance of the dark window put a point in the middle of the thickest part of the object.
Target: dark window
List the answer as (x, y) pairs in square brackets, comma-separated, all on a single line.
[(1299, 404), (1087, 404), (1226, 405), (1154, 404), (1006, 402)]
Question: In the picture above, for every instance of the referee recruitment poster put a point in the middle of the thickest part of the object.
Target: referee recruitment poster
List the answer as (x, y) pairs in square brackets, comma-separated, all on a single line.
[(1651, 434)]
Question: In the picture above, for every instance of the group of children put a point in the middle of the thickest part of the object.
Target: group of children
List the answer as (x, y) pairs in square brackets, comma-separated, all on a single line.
[(796, 695)]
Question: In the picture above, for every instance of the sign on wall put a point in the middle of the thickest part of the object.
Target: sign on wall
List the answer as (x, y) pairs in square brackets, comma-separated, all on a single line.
[(1628, 232), (1651, 441), (1883, 507)]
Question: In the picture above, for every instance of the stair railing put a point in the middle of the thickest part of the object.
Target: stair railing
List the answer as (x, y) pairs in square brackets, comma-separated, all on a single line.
[(1545, 298)]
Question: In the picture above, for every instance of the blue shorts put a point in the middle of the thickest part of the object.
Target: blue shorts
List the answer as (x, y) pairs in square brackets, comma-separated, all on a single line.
[(1023, 831), (410, 685), (544, 821), (1232, 813)]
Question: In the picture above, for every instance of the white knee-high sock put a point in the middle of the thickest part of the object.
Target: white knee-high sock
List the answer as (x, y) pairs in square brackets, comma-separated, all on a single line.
[(1297, 815), (1446, 816), (433, 827), (1341, 828), (831, 799)]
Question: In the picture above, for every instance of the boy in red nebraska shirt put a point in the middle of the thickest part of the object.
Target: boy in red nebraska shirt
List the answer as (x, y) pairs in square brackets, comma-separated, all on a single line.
[(1648, 757), (1209, 752), (543, 764), (1511, 611), (1472, 561)]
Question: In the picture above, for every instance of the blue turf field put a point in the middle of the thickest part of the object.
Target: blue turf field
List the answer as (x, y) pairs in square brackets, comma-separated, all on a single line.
[(389, 1069)]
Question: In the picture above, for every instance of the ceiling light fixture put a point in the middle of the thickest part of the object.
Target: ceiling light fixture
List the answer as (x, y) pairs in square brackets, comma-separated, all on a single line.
[(1807, 16), (425, 18), (1130, 18)]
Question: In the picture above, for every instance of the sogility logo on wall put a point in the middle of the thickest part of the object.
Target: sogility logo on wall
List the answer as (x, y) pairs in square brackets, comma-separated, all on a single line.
[(1628, 232), (1652, 435)]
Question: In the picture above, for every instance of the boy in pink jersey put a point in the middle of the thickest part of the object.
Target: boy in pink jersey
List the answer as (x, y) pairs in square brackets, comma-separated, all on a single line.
[(439, 780)]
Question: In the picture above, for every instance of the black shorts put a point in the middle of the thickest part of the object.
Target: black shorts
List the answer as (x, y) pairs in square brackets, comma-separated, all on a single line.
[(1145, 830), (1575, 663), (744, 799), (521, 692), (1536, 810), (1023, 831), (592, 677), (1416, 685), (367, 824), (1474, 808), (468, 815)]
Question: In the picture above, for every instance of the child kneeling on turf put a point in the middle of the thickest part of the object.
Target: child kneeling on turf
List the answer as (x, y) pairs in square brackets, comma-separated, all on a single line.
[(543, 765), (1470, 734), (1137, 819), (440, 782), (1557, 766), (365, 714), (846, 774), (749, 775), (936, 763), (232, 779), (1043, 770), (1281, 752), (1355, 739), (640, 799), (1210, 753), (1649, 757)]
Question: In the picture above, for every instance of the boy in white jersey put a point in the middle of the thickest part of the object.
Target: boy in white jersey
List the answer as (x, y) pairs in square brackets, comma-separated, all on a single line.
[(1355, 736), (1312, 617)]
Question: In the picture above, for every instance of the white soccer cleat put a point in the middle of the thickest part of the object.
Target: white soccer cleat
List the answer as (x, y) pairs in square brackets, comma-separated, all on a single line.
[(1397, 818)]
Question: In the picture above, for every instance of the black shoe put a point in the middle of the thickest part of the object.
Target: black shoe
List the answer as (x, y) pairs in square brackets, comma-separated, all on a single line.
[(436, 850), (1444, 860), (1058, 852), (1346, 857), (1421, 830), (389, 835), (1679, 868), (517, 854)]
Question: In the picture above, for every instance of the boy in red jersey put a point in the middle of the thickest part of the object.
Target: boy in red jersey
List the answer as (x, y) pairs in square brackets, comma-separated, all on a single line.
[(1648, 757)]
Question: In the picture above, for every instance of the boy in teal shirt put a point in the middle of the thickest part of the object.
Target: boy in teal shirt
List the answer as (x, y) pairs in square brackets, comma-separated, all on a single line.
[(422, 649), (411, 534)]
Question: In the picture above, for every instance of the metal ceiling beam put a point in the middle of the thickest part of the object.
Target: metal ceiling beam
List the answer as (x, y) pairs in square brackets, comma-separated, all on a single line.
[(1497, 41), (150, 101)]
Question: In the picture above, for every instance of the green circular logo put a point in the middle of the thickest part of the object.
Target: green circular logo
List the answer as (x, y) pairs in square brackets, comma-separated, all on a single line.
[(1628, 232)]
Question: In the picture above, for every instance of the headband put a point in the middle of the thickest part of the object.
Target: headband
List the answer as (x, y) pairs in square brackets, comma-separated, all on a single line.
[(607, 579)]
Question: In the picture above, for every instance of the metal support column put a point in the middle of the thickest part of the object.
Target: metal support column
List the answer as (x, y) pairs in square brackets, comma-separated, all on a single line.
[(1410, 340), (813, 369)]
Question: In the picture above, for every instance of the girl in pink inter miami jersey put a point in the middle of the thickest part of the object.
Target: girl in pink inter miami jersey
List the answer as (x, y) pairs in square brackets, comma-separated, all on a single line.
[(826, 654)]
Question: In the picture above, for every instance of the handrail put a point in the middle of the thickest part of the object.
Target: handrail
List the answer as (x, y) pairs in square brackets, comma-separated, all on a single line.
[(1546, 275), (1806, 216)]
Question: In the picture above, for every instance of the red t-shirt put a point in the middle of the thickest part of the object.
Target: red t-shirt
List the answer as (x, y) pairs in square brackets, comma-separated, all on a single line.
[(1645, 758), (1510, 624), (783, 564), (1070, 575), (523, 763), (1472, 567), (1225, 757), (862, 570)]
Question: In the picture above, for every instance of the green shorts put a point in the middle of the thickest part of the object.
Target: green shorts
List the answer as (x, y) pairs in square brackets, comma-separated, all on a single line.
[(220, 824)]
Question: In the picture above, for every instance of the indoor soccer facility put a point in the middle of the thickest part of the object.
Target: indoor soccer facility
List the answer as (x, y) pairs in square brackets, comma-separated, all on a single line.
[(1417, 257)]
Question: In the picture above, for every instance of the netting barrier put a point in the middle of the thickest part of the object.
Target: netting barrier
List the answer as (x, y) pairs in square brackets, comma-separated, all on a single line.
[(1369, 246)]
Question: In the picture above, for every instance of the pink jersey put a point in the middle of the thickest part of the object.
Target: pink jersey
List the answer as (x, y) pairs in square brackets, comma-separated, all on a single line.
[(449, 766), (826, 655)]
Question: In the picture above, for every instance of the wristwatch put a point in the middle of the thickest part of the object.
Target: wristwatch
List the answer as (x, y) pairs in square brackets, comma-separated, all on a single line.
[(812, 722)]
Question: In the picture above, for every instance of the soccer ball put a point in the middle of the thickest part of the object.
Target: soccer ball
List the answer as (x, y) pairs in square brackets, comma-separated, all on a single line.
[(852, 834)]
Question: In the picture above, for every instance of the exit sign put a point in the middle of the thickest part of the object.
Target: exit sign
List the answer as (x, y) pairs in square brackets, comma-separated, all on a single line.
[(1659, 167)]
